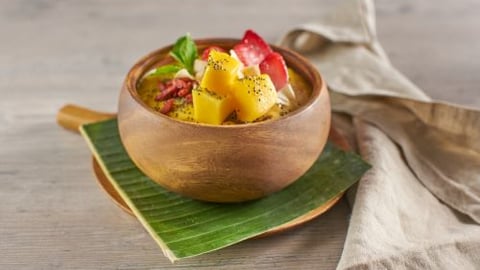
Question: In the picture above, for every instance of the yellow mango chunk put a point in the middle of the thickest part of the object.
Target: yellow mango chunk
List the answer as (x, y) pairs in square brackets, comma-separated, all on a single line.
[(220, 73), (210, 107), (254, 96)]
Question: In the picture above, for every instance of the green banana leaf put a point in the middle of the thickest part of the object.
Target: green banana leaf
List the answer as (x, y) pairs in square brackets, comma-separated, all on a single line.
[(185, 227)]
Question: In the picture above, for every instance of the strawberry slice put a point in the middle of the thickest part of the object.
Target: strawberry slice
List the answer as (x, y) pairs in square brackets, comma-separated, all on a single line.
[(256, 41), (247, 54), (275, 67), (207, 51), (252, 49)]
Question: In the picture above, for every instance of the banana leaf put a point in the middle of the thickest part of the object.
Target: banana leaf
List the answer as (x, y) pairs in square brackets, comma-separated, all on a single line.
[(185, 227)]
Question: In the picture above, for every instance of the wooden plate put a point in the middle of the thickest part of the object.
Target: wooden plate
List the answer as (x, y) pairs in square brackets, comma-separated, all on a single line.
[(334, 136)]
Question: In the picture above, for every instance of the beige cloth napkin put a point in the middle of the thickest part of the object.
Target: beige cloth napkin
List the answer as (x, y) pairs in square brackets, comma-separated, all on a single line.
[(419, 206)]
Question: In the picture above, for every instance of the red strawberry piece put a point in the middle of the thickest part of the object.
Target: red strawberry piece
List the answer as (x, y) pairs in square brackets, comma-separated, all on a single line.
[(275, 67), (207, 51), (247, 54), (253, 49), (256, 41)]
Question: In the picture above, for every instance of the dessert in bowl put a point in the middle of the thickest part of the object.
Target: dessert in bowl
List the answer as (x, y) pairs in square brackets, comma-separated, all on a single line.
[(224, 120)]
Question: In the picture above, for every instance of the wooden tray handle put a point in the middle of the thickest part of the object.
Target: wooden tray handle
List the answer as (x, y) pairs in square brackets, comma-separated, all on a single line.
[(72, 116)]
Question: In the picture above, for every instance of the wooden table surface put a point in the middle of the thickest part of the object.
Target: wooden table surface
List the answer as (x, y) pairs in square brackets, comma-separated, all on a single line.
[(52, 213)]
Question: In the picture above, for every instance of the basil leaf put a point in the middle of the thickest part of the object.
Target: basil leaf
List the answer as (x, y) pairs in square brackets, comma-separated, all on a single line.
[(185, 52), (165, 70)]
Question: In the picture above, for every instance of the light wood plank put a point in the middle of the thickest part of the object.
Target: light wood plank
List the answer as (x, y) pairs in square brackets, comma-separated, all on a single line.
[(52, 213)]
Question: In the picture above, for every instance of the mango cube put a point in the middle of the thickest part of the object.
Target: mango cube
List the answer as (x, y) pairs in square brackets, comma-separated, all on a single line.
[(210, 107), (220, 73), (254, 96)]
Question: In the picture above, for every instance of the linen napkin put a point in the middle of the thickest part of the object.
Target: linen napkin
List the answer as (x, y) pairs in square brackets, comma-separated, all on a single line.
[(419, 206)]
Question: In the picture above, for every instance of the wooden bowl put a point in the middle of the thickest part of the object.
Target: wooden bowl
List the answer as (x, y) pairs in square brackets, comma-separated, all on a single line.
[(230, 163)]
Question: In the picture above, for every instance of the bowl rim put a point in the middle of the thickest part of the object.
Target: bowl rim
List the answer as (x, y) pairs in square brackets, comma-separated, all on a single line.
[(137, 71)]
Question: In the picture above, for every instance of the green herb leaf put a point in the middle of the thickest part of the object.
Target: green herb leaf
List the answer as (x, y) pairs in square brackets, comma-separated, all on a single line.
[(165, 70), (185, 227), (185, 52)]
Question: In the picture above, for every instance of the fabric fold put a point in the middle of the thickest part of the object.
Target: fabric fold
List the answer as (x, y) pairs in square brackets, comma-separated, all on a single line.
[(398, 224), (421, 200), (445, 159)]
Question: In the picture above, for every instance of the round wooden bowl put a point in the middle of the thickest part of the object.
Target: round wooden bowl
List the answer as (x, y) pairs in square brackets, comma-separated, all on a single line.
[(230, 163)]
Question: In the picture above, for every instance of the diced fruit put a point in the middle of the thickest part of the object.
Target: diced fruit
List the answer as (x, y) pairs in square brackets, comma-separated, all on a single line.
[(247, 54), (210, 107), (242, 66), (287, 97), (275, 67), (251, 71), (253, 49), (254, 96), (207, 51), (234, 55), (254, 39), (199, 67), (220, 72)]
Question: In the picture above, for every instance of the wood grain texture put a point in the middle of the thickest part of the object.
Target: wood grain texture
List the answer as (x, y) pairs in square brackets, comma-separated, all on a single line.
[(334, 136), (230, 163), (72, 117), (52, 213)]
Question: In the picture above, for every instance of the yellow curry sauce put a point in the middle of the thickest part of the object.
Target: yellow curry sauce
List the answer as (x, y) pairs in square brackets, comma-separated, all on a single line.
[(148, 89)]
